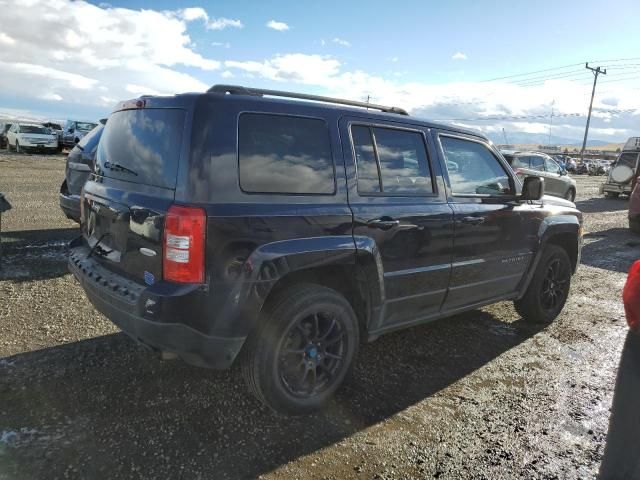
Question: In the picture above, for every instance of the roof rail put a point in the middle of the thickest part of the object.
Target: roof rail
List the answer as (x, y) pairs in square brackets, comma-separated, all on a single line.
[(259, 92)]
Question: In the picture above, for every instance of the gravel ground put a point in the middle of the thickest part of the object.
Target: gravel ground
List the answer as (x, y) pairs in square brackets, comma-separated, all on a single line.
[(479, 395)]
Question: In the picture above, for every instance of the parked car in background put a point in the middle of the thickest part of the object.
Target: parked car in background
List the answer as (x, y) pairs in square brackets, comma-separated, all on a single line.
[(634, 209), (57, 129), (571, 165), (74, 131), (625, 170), (556, 180), (289, 229), (24, 137), (79, 166), (4, 128)]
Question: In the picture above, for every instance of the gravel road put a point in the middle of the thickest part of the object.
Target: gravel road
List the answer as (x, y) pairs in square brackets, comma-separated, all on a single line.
[(479, 395)]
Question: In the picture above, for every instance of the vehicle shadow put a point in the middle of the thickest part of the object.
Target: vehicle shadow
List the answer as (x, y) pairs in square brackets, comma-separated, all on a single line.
[(614, 249), (12, 240), (114, 409), (621, 458), (35, 254), (602, 204)]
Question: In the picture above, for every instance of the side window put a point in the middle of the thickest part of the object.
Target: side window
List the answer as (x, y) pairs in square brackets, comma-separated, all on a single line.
[(479, 171), (537, 163), (391, 161), (520, 162), (551, 166), (284, 154)]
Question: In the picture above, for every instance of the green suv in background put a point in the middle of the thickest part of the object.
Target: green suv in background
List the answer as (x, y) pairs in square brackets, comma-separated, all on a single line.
[(536, 164)]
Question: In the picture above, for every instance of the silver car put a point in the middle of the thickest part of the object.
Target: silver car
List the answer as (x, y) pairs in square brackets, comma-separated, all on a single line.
[(556, 180)]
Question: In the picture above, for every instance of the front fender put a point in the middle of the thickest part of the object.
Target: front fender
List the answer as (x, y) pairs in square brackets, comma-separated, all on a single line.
[(550, 227)]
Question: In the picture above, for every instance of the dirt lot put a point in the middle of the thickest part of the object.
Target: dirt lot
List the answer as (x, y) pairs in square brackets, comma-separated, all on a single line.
[(480, 395)]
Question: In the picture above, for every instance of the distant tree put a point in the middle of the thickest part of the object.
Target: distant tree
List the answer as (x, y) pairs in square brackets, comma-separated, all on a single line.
[(566, 150), (618, 150)]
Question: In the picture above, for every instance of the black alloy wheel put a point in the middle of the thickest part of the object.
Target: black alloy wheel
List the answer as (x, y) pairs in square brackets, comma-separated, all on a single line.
[(312, 354), (554, 285), (302, 349)]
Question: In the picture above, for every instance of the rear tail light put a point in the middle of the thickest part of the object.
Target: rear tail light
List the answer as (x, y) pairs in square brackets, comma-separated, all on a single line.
[(631, 297), (184, 243)]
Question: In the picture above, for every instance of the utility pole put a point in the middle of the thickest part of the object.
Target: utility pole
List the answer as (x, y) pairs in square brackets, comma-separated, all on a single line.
[(596, 72), (506, 140)]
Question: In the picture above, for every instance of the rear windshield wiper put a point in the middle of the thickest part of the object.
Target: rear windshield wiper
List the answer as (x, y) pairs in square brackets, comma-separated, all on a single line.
[(119, 168)]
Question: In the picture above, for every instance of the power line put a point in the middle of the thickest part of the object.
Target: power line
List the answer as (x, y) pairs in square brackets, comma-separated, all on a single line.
[(530, 73)]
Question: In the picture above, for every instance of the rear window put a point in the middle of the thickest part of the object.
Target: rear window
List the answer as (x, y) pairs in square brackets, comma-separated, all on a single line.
[(33, 129), (85, 126), (629, 159), (284, 154), (142, 146), (91, 139)]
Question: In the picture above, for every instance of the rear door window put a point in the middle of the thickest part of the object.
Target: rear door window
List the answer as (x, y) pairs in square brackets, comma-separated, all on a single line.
[(142, 146), (285, 154), (391, 161), (536, 162)]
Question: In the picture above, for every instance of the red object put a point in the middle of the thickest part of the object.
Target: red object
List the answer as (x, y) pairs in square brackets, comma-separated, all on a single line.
[(631, 297), (184, 243)]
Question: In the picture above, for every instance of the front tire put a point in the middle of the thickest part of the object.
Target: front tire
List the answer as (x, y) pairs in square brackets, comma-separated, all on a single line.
[(549, 288), (570, 195), (298, 356), (611, 194)]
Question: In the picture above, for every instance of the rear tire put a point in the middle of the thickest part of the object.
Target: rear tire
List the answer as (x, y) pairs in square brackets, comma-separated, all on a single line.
[(549, 288), (298, 356), (611, 194)]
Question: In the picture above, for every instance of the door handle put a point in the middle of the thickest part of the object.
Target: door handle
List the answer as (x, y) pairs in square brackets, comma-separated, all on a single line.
[(384, 223), (473, 220)]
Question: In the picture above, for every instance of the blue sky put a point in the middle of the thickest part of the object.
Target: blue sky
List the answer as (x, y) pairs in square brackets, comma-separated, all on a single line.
[(60, 58)]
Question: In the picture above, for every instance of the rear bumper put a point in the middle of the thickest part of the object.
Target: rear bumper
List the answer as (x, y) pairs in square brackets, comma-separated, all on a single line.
[(126, 303), (616, 188)]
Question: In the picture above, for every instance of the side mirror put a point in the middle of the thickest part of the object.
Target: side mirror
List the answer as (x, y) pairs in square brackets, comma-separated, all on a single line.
[(533, 188), (71, 130)]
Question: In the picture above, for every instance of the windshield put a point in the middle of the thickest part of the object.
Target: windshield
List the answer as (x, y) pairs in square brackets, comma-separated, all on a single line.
[(628, 159), (142, 146), (91, 139), (85, 126), (33, 129)]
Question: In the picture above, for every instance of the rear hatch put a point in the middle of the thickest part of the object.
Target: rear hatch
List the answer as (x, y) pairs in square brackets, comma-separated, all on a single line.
[(125, 202)]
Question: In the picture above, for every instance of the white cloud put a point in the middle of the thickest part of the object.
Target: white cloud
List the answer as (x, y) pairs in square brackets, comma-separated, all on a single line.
[(279, 26), (227, 74), (342, 42), (6, 39), (222, 23), (459, 56), (221, 44), (486, 106), (191, 14), (92, 49), (51, 96)]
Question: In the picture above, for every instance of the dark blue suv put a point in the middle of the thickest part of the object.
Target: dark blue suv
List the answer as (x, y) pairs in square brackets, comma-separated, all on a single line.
[(242, 223)]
